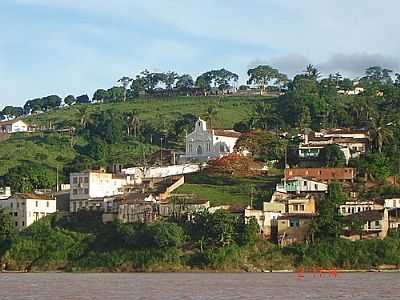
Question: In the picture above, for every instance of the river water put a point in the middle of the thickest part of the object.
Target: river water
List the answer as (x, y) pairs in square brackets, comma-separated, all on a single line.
[(199, 286)]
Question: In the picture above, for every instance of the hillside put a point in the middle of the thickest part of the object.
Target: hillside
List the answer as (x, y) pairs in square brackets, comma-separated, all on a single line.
[(157, 117)]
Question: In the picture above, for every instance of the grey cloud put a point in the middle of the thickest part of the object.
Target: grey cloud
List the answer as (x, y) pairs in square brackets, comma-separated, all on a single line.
[(355, 64), (351, 65), (290, 64)]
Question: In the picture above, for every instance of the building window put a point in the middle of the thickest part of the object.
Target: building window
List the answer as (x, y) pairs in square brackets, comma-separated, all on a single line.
[(86, 179), (305, 183), (15, 214), (295, 207), (86, 191), (294, 223), (23, 224), (301, 207), (74, 191), (36, 203), (47, 204), (17, 204), (16, 224), (377, 223), (75, 180), (343, 209), (11, 205)]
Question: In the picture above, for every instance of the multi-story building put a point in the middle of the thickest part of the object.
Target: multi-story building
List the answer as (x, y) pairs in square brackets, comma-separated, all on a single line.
[(28, 208), (369, 224), (203, 143), (301, 185), (91, 186)]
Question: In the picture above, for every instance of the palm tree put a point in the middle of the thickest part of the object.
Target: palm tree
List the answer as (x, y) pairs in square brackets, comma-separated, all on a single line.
[(311, 72), (381, 133), (133, 122), (126, 83), (83, 116)]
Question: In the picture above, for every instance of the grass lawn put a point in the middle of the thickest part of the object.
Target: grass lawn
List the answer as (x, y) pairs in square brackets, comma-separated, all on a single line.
[(163, 112), (222, 189)]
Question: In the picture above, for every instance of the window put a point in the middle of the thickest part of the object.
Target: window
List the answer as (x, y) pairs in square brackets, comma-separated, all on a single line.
[(86, 191), (75, 180), (36, 203), (47, 204), (16, 224), (23, 224), (377, 223), (74, 191), (305, 183), (295, 207), (86, 179), (11, 205), (294, 223), (17, 204), (301, 207), (15, 214), (316, 187), (343, 209)]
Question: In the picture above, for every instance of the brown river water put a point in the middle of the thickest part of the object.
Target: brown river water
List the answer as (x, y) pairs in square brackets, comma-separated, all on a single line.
[(199, 286)]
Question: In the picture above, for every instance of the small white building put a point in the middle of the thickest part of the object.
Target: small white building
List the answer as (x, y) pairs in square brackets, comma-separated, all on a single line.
[(203, 144), (301, 185), (28, 208), (12, 126), (5, 193)]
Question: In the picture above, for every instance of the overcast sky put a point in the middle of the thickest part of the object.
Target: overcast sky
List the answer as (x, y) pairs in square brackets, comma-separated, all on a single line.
[(77, 46)]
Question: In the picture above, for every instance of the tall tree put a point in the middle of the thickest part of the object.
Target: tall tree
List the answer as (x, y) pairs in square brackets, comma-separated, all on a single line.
[(262, 75), (126, 84)]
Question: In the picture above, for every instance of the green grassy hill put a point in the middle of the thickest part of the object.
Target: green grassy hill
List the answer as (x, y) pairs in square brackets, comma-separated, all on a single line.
[(159, 110), (52, 150)]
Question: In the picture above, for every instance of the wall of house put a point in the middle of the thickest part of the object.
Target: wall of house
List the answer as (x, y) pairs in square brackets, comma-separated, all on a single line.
[(19, 126), (88, 185), (392, 203), (27, 211)]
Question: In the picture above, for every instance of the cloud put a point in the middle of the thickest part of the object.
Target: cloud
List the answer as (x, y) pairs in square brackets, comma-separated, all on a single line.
[(350, 65), (290, 64), (356, 63)]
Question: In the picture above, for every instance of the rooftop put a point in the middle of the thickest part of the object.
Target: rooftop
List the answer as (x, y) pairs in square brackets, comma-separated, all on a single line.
[(368, 215)]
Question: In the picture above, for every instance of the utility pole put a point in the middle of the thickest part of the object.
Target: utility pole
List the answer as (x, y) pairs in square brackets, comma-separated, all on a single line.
[(57, 180), (161, 140)]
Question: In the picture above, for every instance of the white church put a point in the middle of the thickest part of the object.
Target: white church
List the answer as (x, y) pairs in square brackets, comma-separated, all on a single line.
[(203, 144)]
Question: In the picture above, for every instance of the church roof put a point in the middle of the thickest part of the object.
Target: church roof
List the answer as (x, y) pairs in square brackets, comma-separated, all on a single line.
[(226, 132)]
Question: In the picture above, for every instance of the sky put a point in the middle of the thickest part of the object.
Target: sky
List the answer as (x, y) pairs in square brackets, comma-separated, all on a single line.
[(77, 46)]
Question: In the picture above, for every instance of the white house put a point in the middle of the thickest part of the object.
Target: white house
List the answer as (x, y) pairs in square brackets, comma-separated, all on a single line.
[(203, 144), (5, 193), (28, 208), (300, 185), (13, 126), (96, 184)]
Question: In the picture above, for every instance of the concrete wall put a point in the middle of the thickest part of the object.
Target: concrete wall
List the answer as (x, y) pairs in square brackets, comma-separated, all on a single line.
[(162, 172)]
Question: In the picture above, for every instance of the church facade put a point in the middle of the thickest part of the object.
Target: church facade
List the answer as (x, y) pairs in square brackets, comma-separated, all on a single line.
[(204, 144)]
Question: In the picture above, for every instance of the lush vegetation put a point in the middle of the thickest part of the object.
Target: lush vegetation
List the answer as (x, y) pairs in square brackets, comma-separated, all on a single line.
[(220, 241)]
